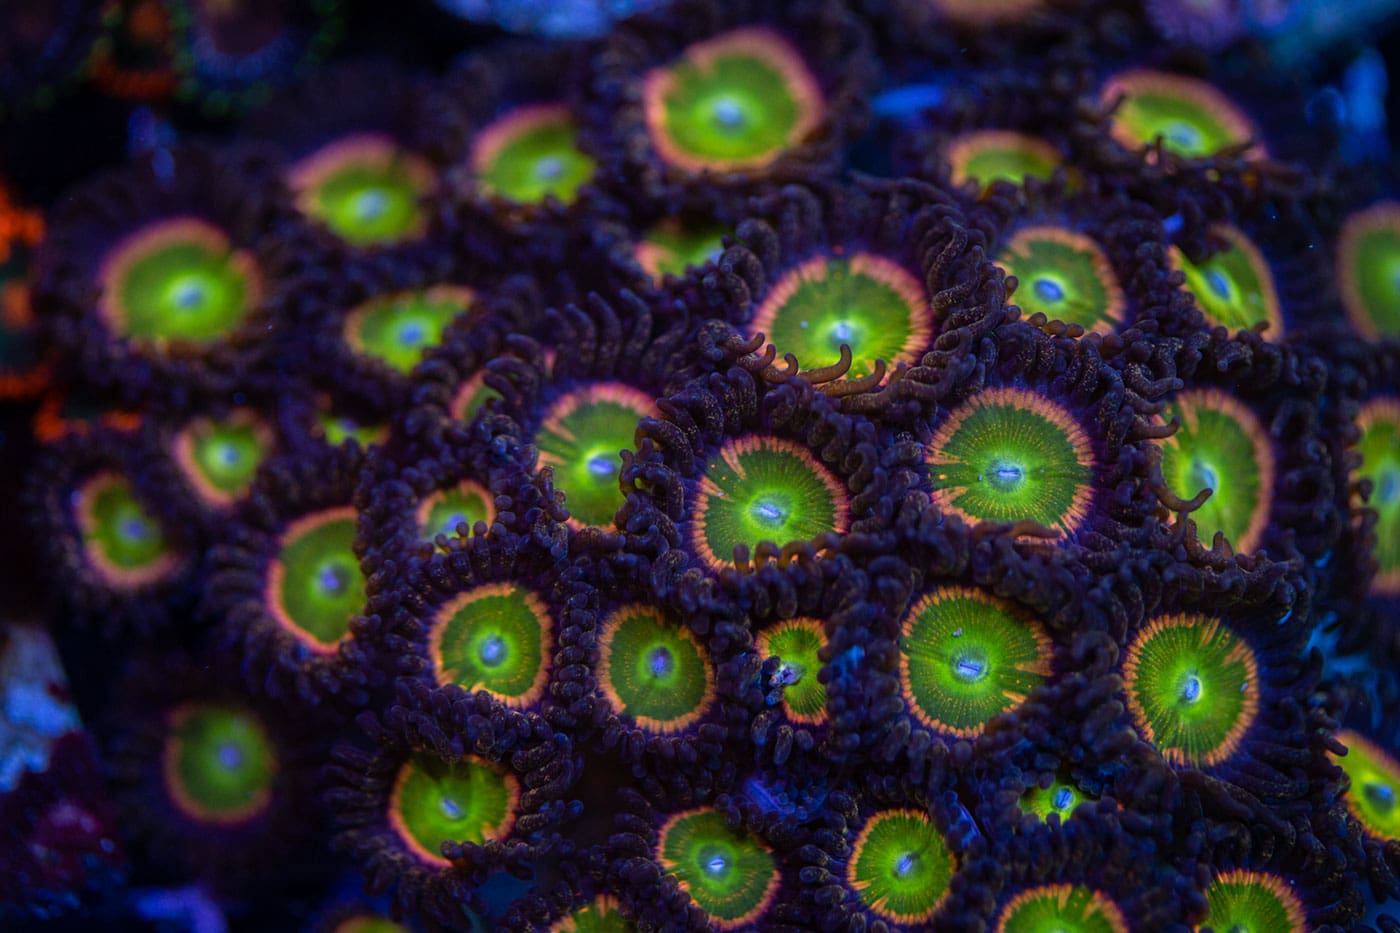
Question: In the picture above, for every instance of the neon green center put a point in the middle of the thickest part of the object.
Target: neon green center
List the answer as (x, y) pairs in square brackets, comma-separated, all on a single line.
[(581, 438), (322, 587), (601, 916), (542, 159), (1230, 287), (464, 801), (398, 330), (850, 302), (1186, 126), (1372, 265), (797, 644), (1374, 794), (966, 658), (227, 454), (1062, 909), (1013, 164), (369, 923), (1013, 457), (728, 873), (370, 203), (463, 505), (1062, 276), (669, 248), (1194, 685), (759, 489), (1248, 905), (1380, 463), (901, 867), (1213, 449), (338, 428), (122, 533), (495, 642), (740, 108), (1060, 797), (220, 761), (184, 290), (655, 672)]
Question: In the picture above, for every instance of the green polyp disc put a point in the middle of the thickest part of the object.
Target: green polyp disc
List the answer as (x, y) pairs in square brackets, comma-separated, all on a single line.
[(369, 923), (494, 639), (219, 763), (1061, 908), (532, 153), (365, 189), (1065, 276), (1368, 265), (339, 428), (470, 397), (315, 581), (604, 915), (670, 247), (1193, 688), (1374, 795), (468, 800), (655, 673), (966, 657), (762, 488), (1235, 286), (1060, 798), (1379, 421), (178, 280), (730, 874), (1192, 118), (398, 329), (797, 643), (985, 156), (221, 457), (870, 304), (581, 437), (900, 866), (1011, 455), (736, 101), (1220, 446), (122, 539), (1253, 902), (464, 504)]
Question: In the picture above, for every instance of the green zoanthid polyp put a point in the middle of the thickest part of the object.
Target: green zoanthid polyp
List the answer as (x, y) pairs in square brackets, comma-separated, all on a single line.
[(218, 762), (1373, 797), (582, 436), (730, 874), (494, 638), (532, 153), (601, 915), (1220, 445), (122, 540), (314, 584), (178, 280), (966, 656), (1185, 116), (1061, 798), (398, 329), (866, 302), (220, 456), (1234, 286), (1241, 901), (1192, 687), (797, 644), (900, 866), (1368, 270), (365, 189), (1056, 908), (1010, 455), (1379, 421), (442, 512), (982, 157), (1066, 276), (654, 672), (734, 102), (467, 800), (763, 488), (670, 247)]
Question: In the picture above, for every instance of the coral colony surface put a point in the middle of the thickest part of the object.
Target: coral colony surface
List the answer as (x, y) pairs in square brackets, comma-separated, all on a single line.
[(863, 465)]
